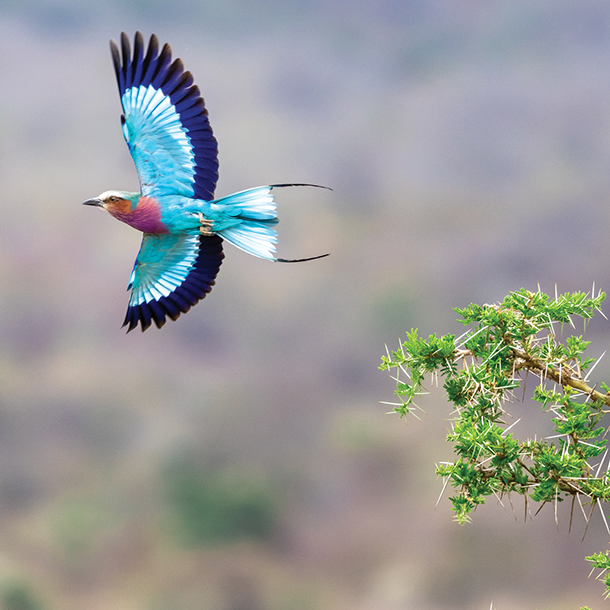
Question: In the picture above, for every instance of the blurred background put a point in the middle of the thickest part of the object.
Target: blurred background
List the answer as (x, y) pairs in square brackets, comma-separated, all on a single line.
[(240, 458)]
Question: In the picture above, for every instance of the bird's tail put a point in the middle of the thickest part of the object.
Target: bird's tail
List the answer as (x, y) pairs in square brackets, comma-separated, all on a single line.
[(256, 212)]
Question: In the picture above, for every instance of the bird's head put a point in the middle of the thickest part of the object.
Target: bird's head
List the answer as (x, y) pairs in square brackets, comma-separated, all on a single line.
[(117, 203)]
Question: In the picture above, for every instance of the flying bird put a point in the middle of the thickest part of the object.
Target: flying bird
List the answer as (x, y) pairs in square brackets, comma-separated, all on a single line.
[(166, 127)]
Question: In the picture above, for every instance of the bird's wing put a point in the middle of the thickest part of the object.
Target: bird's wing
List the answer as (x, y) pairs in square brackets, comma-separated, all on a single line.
[(172, 273), (165, 122)]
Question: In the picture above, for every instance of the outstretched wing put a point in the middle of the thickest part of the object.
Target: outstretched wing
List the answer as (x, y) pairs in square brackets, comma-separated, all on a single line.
[(172, 273), (165, 122)]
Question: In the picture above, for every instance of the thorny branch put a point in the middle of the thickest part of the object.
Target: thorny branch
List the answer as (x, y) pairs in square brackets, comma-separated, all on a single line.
[(482, 373)]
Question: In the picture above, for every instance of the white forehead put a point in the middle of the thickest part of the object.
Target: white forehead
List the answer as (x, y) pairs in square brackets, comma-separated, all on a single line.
[(106, 194)]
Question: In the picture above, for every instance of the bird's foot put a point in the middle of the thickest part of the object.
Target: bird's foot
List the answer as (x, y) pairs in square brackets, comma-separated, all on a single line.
[(206, 226)]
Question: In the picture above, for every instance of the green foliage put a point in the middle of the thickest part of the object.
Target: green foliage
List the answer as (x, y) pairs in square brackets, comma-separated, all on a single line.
[(601, 561), (78, 521), (481, 371), (210, 505), (17, 595)]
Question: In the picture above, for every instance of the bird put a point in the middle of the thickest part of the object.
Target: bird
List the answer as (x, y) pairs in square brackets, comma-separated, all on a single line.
[(166, 126)]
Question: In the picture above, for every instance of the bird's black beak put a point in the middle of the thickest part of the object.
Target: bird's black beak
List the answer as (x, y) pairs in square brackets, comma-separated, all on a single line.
[(95, 201)]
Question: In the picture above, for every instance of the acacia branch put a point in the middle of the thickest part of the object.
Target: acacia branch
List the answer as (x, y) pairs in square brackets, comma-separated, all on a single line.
[(564, 377)]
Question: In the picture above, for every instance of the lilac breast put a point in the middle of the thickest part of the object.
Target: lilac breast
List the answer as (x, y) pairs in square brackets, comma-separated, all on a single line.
[(146, 217)]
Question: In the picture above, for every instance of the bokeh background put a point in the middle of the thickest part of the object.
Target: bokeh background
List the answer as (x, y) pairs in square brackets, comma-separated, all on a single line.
[(240, 458)]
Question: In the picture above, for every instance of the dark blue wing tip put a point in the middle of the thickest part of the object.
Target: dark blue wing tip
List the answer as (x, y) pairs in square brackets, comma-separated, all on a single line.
[(171, 307), (145, 314), (138, 69)]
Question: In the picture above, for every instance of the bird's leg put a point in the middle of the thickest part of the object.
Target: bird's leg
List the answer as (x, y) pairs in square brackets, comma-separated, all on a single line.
[(206, 225)]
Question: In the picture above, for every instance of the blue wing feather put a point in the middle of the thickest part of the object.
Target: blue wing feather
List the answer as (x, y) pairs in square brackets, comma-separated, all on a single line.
[(172, 273), (138, 57), (165, 122), (126, 60), (149, 65), (165, 60)]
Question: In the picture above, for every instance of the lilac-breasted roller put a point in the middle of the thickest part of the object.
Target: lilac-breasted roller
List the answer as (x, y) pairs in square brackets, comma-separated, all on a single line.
[(165, 124)]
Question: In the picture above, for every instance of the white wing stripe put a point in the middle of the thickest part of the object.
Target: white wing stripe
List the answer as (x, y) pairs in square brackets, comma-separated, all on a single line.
[(153, 121)]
